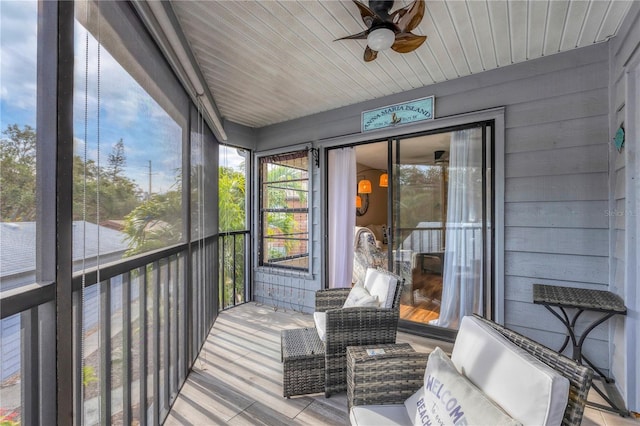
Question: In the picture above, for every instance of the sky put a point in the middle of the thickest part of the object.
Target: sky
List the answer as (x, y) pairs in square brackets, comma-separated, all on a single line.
[(106, 110), (116, 101)]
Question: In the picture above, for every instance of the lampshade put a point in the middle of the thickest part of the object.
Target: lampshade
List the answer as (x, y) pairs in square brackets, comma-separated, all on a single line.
[(381, 39), (384, 180), (364, 186), (358, 202)]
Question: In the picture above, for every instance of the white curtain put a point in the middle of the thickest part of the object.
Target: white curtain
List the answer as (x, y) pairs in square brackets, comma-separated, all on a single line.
[(462, 272), (342, 215)]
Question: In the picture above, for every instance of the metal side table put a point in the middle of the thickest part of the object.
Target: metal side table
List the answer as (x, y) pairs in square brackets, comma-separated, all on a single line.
[(581, 299)]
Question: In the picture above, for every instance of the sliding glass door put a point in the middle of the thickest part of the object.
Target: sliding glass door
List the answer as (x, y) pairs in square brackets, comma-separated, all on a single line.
[(441, 216)]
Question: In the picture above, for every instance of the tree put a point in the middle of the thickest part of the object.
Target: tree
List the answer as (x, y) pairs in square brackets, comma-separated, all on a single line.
[(18, 174), (155, 223), (20, 145), (117, 160), (231, 199), (118, 195)]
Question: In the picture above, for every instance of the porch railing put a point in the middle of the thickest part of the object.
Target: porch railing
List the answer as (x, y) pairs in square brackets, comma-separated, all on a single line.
[(233, 268), (138, 327)]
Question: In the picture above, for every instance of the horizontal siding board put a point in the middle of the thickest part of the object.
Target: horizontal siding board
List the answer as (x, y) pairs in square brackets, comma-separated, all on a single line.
[(588, 242), (346, 120), (578, 132), (578, 214), (582, 187), (520, 289), (595, 350), (577, 105), (561, 83), (564, 267), (586, 159), (525, 314)]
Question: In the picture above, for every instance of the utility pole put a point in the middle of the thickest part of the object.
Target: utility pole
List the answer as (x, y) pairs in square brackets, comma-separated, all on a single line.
[(149, 194)]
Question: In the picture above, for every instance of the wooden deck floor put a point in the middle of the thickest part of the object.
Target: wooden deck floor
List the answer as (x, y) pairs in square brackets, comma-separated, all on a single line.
[(237, 379)]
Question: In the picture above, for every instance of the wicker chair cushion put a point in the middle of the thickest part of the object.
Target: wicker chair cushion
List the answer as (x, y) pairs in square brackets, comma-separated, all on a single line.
[(526, 388), (359, 296), (381, 285), (452, 399), (320, 320)]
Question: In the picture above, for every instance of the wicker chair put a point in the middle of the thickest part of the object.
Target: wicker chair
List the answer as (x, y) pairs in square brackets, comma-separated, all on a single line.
[(353, 327), (404, 368)]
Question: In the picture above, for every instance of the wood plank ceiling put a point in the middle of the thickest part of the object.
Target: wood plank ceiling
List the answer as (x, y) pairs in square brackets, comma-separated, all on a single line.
[(271, 61)]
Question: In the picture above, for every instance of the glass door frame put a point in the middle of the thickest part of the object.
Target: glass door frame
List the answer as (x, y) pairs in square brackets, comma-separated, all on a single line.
[(488, 216), (497, 116)]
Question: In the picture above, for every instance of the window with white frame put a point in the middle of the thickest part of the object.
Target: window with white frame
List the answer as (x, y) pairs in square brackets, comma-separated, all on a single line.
[(284, 210)]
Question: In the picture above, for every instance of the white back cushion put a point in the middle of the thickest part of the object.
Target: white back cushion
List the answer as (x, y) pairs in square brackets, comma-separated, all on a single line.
[(526, 388), (359, 296), (449, 398), (381, 285)]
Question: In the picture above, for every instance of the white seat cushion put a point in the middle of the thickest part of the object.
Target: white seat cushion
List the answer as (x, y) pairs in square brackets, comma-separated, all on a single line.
[(379, 415), (381, 285), (526, 388), (320, 319)]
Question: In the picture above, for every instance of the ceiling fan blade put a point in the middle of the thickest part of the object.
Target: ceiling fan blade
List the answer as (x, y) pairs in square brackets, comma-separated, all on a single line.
[(370, 55), (407, 42), (358, 36), (368, 15), (409, 17)]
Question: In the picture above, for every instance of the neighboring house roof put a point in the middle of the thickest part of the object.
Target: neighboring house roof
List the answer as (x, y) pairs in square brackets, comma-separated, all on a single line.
[(18, 247)]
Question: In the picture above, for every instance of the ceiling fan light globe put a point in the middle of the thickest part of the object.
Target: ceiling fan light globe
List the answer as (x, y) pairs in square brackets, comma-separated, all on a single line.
[(381, 39)]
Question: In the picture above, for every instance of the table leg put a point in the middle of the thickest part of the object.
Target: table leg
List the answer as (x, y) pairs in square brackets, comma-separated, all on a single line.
[(577, 355), (564, 319)]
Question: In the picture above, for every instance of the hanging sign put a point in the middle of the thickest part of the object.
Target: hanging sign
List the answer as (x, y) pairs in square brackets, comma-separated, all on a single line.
[(398, 114)]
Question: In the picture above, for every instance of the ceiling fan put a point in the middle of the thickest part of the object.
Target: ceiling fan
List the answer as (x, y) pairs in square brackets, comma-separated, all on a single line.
[(385, 30)]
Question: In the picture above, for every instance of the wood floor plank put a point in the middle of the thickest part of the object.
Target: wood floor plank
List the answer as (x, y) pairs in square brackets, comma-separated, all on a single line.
[(237, 378)]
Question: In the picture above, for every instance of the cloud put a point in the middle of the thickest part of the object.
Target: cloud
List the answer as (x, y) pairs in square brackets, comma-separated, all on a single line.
[(107, 95), (18, 54)]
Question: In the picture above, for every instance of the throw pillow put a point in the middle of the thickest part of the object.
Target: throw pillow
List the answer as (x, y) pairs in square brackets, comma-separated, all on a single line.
[(450, 399), (359, 296)]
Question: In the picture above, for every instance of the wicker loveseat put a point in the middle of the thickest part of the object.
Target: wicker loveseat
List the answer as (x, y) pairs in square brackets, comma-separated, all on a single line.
[(386, 383), (353, 326)]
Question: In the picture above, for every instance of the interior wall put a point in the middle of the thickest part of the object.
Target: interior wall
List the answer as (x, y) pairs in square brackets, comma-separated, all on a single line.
[(556, 174), (378, 199), (623, 213)]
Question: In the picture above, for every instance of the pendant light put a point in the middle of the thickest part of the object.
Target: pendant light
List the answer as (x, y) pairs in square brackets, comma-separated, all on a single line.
[(384, 180), (364, 186)]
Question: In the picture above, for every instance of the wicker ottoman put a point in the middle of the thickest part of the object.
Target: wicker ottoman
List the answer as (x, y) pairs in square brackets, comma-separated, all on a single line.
[(390, 374), (302, 362)]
